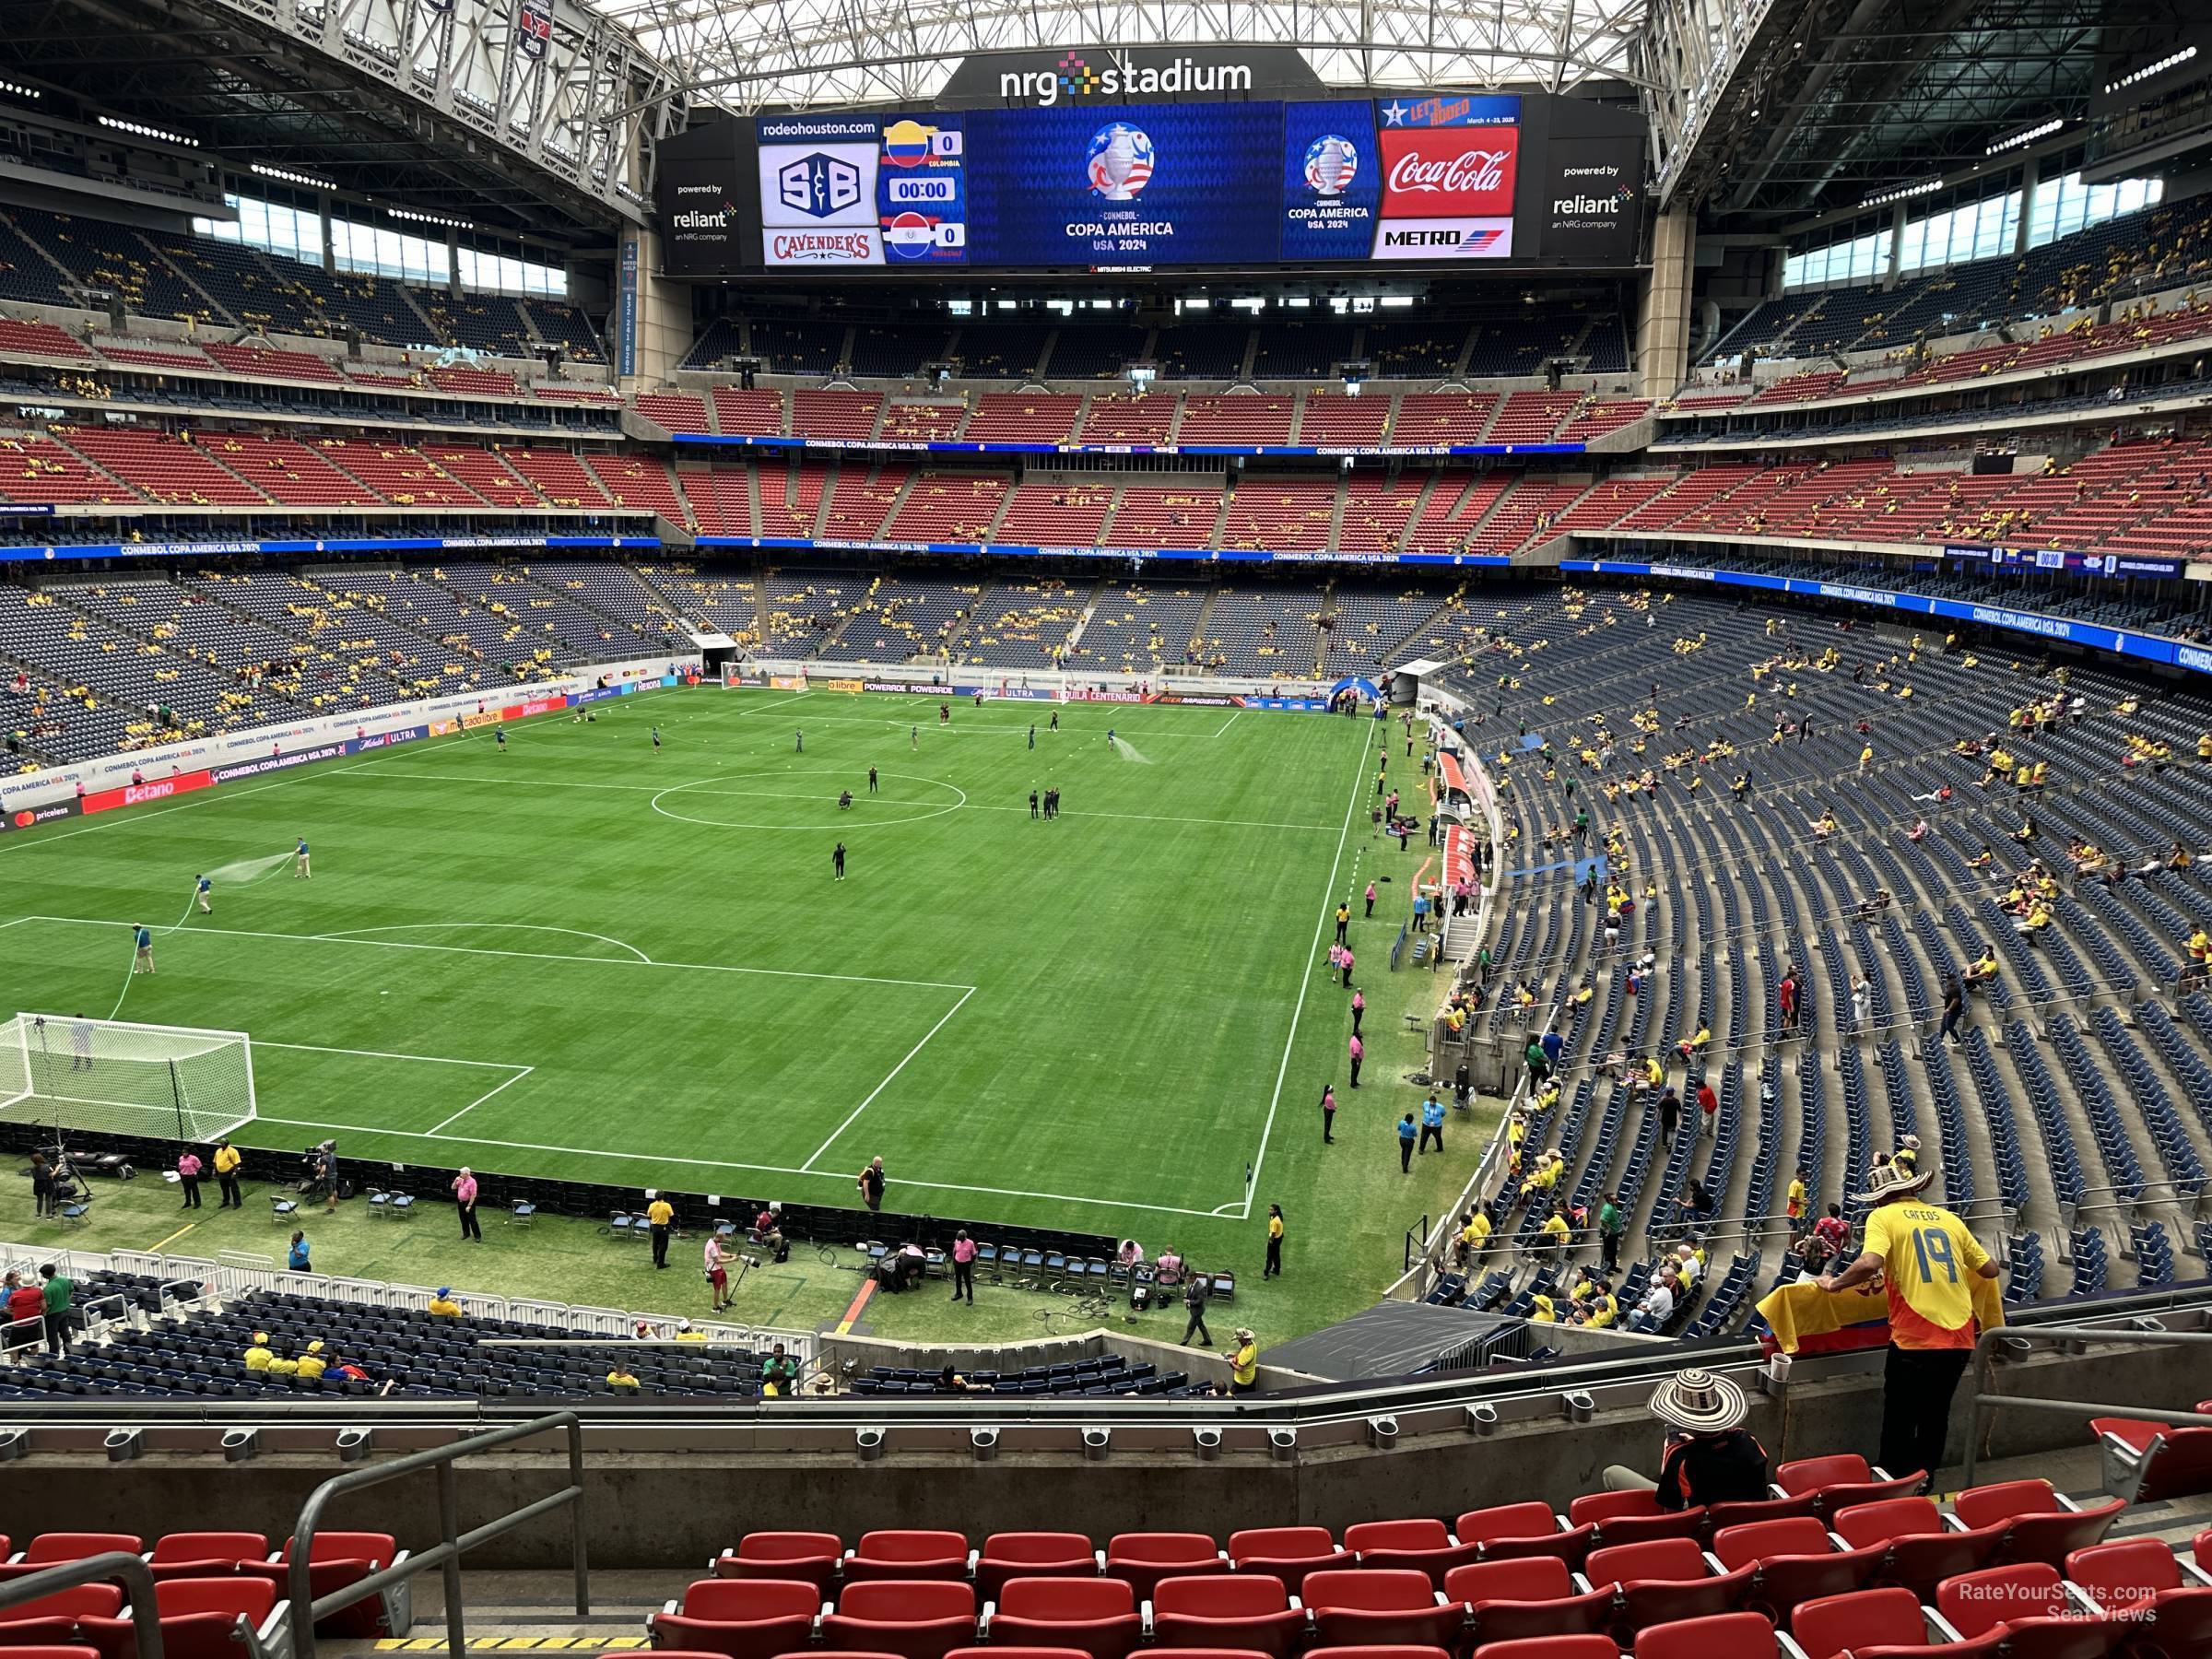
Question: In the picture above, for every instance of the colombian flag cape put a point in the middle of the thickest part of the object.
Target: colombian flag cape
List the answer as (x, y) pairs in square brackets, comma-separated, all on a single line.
[(1805, 1319)]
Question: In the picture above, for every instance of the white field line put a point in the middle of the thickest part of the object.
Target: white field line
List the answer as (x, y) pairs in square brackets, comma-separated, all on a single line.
[(715, 1163), (879, 1088), (482, 1098), (765, 794), (318, 1047), (1229, 722), (1305, 978), (538, 956)]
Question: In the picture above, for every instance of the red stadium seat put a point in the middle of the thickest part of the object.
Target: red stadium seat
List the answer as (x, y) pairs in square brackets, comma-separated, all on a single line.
[(80, 1600), (911, 1618), (251, 1599), (907, 1556), (2118, 1576), (2039, 1524), (1832, 1624), (1631, 1517), (50, 1547), (1380, 1606), (812, 1556), (995, 1652), (48, 1634), (1838, 1482), (50, 1651), (2025, 1604), (204, 1554), (1663, 1580), (1287, 1552), (1372, 1653), (335, 1560), (1726, 1636), (1097, 1614), (1032, 1555), (1719, 1516), (1192, 1653), (1246, 1610), (1147, 1558), (1550, 1647), (2146, 1462), (1920, 1554), (1795, 1560), (1982, 1647), (742, 1618), (1516, 1601), (1423, 1544), (1523, 1529), (200, 1619), (379, 1547)]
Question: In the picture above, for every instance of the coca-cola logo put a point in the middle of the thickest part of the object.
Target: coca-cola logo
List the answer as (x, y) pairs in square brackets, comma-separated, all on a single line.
[(1444, 175), (1470, 170)]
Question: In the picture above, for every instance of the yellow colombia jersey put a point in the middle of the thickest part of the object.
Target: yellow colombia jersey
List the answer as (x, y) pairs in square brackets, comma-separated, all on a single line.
[(1929, 1257)]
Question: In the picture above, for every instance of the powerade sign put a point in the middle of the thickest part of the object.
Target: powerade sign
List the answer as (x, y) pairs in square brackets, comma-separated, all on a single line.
[(2060, 629)]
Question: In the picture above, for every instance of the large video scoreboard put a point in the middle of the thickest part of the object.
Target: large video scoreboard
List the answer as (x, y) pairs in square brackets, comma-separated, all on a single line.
[(1443, 178)]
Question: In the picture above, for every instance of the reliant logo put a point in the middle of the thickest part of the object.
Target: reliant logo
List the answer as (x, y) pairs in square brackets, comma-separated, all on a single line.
[(696, 221), (1586, 203), (1075, 78)]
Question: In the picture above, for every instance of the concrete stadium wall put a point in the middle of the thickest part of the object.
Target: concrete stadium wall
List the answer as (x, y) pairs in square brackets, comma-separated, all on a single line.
[(670, 1498)]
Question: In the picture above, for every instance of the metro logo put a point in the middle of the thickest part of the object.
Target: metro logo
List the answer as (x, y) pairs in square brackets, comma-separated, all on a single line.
[(1434, 173)]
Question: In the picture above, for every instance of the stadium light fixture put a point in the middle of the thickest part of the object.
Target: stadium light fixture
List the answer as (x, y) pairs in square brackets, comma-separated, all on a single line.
[(2021, 140), (140, 130), (13, 91), (287, 176), (411, 216), (1903, 193), (2172, 60)]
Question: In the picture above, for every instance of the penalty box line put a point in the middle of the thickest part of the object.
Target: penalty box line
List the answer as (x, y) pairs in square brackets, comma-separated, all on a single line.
[(515, 1074), (538, 956)]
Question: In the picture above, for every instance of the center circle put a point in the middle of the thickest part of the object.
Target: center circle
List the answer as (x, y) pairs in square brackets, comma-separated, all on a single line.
[(864, 812)]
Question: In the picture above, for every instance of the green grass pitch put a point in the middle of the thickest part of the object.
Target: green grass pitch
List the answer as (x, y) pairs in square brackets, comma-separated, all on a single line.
[(580, 957)]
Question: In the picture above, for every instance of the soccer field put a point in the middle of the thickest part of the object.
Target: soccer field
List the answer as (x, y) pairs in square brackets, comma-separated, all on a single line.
[(580, 958)]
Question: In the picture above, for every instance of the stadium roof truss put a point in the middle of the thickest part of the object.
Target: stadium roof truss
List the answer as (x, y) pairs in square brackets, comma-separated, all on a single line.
[(452, 105), (753, 54), (566, 86)]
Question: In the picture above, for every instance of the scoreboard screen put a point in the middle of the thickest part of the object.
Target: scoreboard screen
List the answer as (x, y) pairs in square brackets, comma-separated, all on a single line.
[(1441, 178)]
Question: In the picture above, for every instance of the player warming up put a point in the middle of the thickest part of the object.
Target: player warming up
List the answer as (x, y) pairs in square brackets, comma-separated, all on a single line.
[(498, 736), (798, 745), (656, 739), (201, 890), (300, 861), (837, 860)]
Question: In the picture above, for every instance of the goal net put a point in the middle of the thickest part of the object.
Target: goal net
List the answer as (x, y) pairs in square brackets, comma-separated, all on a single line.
[(123, 1077)]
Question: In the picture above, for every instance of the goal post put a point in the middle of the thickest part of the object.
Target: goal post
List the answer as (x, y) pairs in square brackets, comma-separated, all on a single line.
[(121, 1076)]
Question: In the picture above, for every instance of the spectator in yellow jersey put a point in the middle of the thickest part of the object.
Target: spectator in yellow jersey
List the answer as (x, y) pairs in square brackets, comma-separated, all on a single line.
[(621, 1379), (1929, 1261), (258, 1353), (1244, 1363), (312, 1363), (444, 1305)]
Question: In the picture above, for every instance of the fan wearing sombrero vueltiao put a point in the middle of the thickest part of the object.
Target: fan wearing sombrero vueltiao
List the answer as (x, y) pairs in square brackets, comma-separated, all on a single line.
[(1941, 1287), (1708, 1456)]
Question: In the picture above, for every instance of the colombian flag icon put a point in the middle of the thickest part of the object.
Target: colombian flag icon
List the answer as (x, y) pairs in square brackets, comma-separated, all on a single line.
[(906, 143)]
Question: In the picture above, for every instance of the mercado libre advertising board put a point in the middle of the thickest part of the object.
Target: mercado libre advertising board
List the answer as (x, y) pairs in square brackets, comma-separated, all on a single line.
[(1438, 177)]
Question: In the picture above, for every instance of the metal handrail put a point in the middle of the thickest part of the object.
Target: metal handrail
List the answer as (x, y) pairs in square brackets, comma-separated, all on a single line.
[(138, 1584), (1987, 1343), (446, 1554)]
